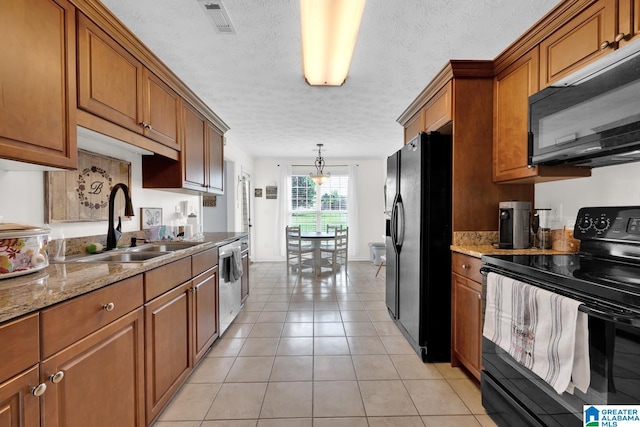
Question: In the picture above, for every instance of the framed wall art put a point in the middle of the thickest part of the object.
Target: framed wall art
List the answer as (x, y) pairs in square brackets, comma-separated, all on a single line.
[(150, 217), (83, 194)]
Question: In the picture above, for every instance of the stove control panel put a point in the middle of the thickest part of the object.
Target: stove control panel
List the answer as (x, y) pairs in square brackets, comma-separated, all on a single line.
[(608, 223)]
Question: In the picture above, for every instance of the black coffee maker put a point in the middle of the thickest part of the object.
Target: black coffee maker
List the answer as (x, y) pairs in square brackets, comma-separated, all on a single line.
[(514, 217)]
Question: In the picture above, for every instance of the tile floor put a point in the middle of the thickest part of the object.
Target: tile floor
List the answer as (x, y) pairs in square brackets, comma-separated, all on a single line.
[(320, 352)]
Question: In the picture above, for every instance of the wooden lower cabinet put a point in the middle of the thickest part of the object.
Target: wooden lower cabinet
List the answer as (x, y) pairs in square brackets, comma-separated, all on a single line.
[(467, 324), (205, 312), (103, 383), (466, 313), (18, 406), (168, 332)]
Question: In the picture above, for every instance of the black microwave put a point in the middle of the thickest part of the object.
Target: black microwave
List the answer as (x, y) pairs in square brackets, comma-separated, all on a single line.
[(591, 121)]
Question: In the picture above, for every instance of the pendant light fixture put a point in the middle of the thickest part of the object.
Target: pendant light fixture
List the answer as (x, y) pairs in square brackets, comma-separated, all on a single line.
[(319, 177)]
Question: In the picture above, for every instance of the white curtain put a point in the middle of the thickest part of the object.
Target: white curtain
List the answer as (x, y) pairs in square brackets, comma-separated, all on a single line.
[(284, 203), (352, 207)]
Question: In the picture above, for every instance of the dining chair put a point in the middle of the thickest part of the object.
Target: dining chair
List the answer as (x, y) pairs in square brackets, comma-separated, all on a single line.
[(338, 251), (298, 254)]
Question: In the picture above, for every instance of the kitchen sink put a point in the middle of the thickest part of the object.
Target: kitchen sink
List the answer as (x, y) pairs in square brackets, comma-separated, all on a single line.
[(126, 256), (163, 247)]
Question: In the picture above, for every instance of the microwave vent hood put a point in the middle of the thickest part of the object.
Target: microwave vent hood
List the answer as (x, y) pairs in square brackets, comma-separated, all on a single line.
[(591, 119)]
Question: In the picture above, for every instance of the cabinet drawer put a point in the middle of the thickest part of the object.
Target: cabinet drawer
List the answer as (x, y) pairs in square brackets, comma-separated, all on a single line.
[(466, 266), (67, 322), (165, 278), (203, 261), (19, 345)]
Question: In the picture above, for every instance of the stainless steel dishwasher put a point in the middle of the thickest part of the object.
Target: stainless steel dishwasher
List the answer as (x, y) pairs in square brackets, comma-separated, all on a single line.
[(229, 285)]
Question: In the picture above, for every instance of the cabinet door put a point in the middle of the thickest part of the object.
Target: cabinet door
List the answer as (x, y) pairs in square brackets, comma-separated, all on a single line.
[(193, 153), (467, 323), (205, 312), (18, 407), (109, 78), (38, 82), (437, 112), (513, 86), (215, 160), (244, 280), (161, 110), (578, 42), (168, 346), (103, 378), (628, 21)]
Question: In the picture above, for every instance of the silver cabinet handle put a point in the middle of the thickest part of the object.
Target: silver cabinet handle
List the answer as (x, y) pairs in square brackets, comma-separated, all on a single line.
[(620, 37), (39, 390), (57, 377), (109, 307), (465, 266)]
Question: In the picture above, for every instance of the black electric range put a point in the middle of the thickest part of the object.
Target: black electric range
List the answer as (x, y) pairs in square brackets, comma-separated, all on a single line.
[(605, 277)]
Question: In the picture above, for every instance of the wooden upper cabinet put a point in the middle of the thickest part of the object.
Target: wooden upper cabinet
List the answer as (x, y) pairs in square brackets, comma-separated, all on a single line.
[(215, 142), (161, 110), (437, 112), (513, 86), (115, 86), (193, 148), (628, 21), (109, 77), (413, 127), (38, 82), (578, 42)]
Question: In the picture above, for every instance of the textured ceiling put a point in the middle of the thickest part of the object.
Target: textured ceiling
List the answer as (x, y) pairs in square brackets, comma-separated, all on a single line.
[(253, 80)]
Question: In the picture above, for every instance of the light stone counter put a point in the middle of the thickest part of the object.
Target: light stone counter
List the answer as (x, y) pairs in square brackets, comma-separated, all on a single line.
[(62, 281), (479, 243)]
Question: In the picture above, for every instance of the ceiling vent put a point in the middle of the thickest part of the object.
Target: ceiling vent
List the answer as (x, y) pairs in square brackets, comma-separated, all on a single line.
[(217, 14)]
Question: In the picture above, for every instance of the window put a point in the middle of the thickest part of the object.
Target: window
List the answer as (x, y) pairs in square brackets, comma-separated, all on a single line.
[(313, 207)]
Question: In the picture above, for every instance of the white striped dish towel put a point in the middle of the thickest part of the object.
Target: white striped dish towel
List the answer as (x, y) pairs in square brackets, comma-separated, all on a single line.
[(541, 330)]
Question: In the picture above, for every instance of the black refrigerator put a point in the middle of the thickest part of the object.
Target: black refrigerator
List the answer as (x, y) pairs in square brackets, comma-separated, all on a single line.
[(418, 238)]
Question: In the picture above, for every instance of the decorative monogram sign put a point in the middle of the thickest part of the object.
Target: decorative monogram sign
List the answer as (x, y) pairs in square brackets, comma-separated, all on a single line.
[(83, 194)]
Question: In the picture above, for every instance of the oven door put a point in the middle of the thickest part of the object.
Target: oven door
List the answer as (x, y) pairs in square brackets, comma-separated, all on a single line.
[(513, 395)]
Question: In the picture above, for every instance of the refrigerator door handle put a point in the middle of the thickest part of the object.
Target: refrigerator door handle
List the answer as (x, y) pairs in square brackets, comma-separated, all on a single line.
[(393, 228), (400, 223)]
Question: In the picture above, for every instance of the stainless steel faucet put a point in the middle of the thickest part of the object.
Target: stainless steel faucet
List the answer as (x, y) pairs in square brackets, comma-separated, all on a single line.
[(113, 234)]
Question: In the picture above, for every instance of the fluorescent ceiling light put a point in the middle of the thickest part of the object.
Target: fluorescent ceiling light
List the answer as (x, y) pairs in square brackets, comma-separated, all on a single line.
[(329, 32)]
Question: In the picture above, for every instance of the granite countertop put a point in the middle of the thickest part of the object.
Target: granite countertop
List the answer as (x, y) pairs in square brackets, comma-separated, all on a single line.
[(479, 250), (61, 281), (478, 243)]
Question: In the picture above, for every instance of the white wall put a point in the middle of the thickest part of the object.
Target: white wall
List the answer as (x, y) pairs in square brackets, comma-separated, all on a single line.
[(607, 186), (371, 177), (236, 163), (23, 194)]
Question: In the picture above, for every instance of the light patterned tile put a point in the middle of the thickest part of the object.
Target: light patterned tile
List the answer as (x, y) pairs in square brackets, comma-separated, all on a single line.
[(295, 346), (340, 422), (451, 421), (292, 368), (190, 403), (237, 401), (337, 399), (328, 329), (226, 347), (212, 370), (298, 329), (411, 367), (386, 398), (395, 422), (374, 367), (435, 397), (250, 370), (333, 368), (287, 400), (469, 392)]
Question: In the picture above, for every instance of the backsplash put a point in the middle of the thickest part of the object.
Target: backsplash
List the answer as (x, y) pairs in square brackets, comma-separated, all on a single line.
[(78, 245)]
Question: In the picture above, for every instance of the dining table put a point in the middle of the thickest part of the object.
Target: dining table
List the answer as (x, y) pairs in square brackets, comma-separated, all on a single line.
[(317, 238)]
